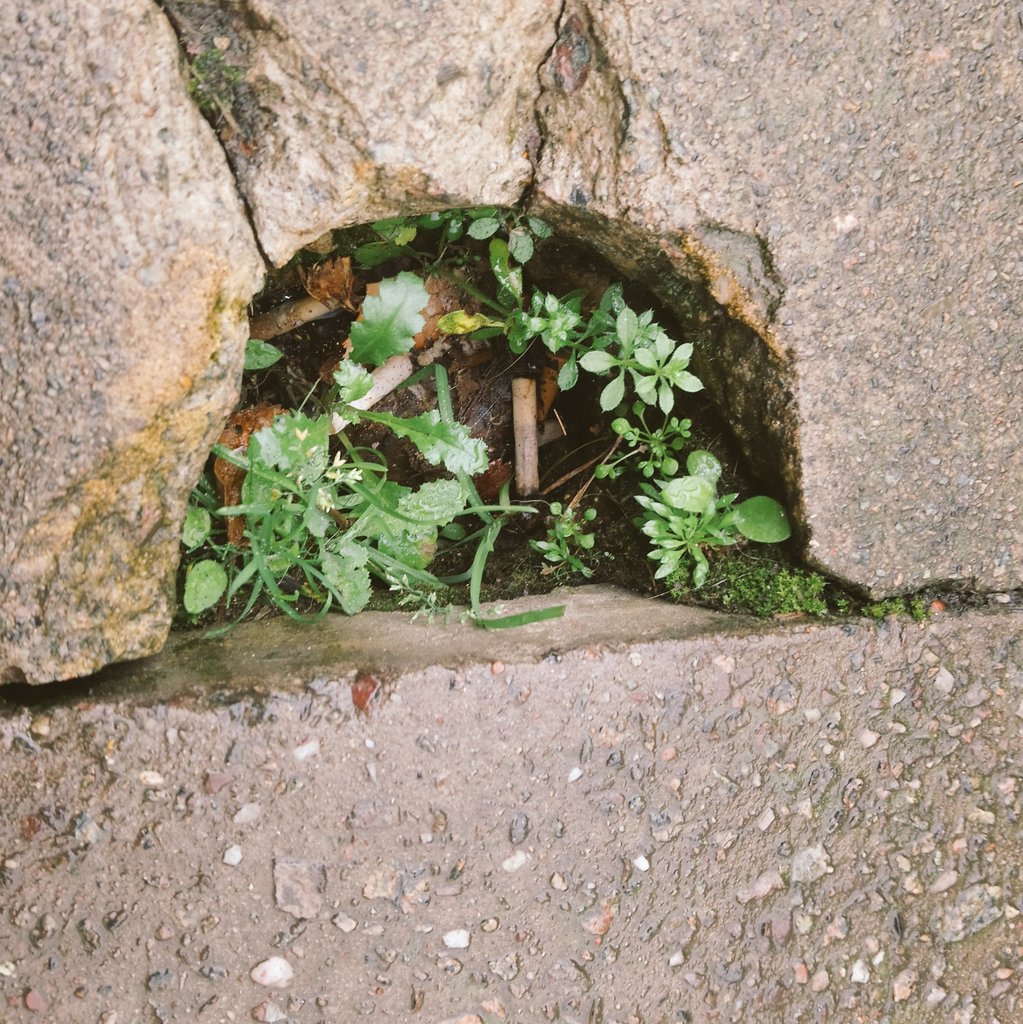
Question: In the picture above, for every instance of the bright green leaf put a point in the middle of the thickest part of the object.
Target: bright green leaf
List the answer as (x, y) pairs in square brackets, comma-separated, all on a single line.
[(568, 375), (196, 527), (687, 381), (763, 519), (509, 279), (353, 381), (344, 568), (390, 320), (689, 493), (520, 245), (483, 228), (627, 326), (596, 361), (205, 583), (260, 354), (437, 441), (703, 463), (612, 395), (295, 444)]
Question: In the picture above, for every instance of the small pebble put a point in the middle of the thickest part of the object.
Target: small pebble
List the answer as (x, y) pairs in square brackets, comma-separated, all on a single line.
[(860, 973), (34, 1001), (810, 864), (575, 774), (457, 939), (345, 923), (497, 667), (943, 882), (247, 814), (515, 861), (868, 738), (269, 1012), (902, 986), (677, 959), (558, 882), (154, 780), (304, 751), (233, 856), (640, 863), (819, 982), (275, 972), (800, 973), (490, 924)]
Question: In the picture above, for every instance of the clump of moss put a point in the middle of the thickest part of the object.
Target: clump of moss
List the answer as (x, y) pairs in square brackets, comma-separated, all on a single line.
[(212, 82), (742, 582), (916, 607)]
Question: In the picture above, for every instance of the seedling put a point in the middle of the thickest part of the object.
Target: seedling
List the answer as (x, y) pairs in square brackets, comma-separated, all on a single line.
[(685, 516), (567, 540)]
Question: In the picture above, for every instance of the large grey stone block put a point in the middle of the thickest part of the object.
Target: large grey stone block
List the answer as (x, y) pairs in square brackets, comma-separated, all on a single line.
[(125, 269)]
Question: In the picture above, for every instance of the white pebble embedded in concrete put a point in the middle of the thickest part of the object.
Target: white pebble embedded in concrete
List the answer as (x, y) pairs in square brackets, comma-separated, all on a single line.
[(457, 939), (275, 972), (233, 856)]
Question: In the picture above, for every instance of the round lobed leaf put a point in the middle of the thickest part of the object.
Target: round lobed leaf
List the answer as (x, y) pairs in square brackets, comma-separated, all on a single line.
[(205, 582), (763, 519)]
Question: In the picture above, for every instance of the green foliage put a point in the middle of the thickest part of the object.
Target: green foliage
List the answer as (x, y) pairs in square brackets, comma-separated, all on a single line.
[(322, 517), (565, 537), (260, 355), (685, 515), (390, 320), (654, 448), (760, 587), (213, 82)]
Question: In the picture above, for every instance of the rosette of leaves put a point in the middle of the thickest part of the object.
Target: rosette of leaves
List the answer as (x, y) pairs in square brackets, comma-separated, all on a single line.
[(685, 515)]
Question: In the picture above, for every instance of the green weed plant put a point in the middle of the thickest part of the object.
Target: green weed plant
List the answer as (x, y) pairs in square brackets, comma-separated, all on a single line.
[(322, 518)]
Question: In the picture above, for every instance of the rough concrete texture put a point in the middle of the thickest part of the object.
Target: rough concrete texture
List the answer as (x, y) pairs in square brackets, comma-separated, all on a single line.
[(348, 115), (801, 823), (845, 181), (126, 266)]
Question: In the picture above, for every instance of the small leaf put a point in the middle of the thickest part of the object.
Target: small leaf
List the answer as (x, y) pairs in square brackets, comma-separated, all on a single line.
[(353, 381), (390, 320), (483, 228), (260, 354), (665, 398), (460, 322), (598, 362), (568, 375), (689, 493), (703, 464), (540, 228), (509, 279), (437, 441), (611, 397), (763, 519), (520, 245), (627, 327), (196, 527), (205, 582), (294, 444), (687, 381), (344, 568), (372, 254)]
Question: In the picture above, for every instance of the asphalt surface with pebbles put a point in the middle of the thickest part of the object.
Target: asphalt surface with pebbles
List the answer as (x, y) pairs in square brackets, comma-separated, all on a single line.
[(799, 823)]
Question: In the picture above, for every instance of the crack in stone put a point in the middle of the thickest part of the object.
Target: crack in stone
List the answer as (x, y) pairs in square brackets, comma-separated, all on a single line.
[(243, 200)]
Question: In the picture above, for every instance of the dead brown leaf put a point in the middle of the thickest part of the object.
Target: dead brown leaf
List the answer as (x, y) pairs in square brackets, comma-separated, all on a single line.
[(332, 283), (235, 437)]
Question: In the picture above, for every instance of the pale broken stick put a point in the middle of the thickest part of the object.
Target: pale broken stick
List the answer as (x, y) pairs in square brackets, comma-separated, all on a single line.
[(290, 315), (527, 463)]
